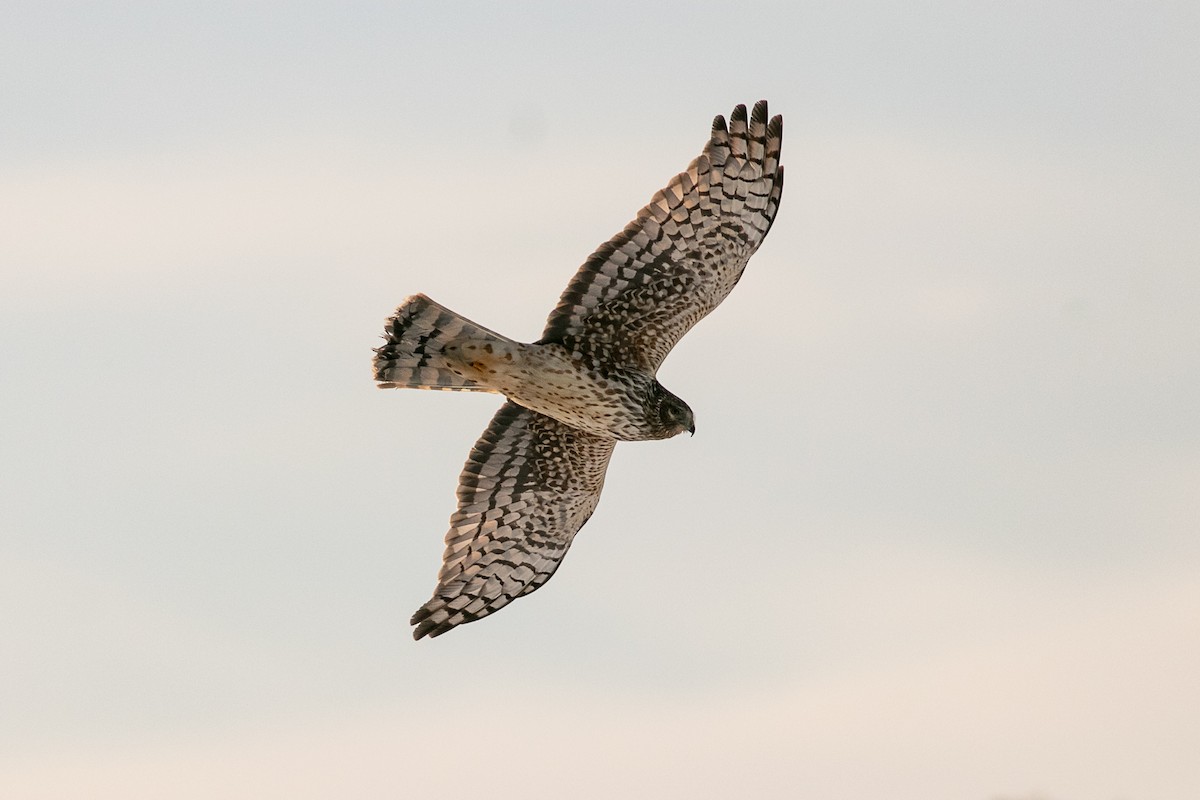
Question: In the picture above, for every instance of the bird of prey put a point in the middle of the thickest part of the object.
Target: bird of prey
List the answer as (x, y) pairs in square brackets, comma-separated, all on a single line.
[(535, 475)]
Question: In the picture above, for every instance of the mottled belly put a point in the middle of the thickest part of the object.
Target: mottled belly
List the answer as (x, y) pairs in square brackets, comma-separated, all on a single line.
[(544, 378)]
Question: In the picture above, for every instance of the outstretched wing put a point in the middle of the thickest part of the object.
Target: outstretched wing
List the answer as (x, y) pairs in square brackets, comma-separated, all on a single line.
[(638, 294), (527, 488)]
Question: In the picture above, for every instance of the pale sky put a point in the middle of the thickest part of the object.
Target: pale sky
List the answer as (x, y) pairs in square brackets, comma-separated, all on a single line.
[(937, 535)]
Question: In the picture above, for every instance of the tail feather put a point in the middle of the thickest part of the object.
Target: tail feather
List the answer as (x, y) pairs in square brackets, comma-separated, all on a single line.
[(412, 356)]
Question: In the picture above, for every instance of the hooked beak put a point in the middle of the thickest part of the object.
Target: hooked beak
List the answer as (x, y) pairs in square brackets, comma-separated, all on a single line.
[(692, 429)]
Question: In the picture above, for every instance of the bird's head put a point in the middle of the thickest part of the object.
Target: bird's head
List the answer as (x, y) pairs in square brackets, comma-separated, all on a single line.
[(672, 414)]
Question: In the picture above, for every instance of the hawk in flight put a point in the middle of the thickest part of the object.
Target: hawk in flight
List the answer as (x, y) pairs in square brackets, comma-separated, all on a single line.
[(535, 475)]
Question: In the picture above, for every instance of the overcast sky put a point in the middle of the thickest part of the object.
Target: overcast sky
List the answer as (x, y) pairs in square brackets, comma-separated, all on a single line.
[(937, 535)]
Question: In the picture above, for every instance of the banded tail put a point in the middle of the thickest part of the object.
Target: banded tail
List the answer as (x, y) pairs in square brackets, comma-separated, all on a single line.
[(412, 357)]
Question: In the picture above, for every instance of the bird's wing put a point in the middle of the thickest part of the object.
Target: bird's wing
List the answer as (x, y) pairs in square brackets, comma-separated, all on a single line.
[(639, 293), (527, 488)]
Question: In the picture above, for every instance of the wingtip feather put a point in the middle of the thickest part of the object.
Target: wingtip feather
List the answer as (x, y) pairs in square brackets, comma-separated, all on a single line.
[(759, 114)]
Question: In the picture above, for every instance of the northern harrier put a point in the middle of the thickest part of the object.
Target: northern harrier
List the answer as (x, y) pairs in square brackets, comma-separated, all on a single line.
[(535, 475)]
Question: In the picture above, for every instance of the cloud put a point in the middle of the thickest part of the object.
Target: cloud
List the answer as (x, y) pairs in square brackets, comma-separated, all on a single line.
[(1090, 696)]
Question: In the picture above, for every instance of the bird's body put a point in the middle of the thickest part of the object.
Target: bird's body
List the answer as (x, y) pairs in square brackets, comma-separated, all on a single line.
[(534, 477), (573, 387)]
